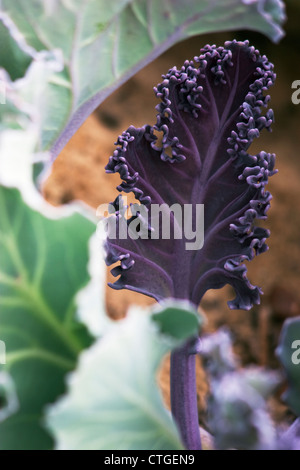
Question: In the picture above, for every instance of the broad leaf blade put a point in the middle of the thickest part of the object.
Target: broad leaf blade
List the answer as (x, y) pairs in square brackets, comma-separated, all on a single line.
[(43, 265), (208, 117), (104, 44), (288, 353), (113, 402)]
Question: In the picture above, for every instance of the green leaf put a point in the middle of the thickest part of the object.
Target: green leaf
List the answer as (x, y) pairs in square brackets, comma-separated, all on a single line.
[(43, 264), (178, 320), (288, 353), (113, 401), (104, 43), (13, 59)]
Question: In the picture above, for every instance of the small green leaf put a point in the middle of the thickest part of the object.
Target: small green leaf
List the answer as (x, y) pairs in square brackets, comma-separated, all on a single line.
[(43, 266), (178, 320), (105, 43), (288, 353), (114, 402)]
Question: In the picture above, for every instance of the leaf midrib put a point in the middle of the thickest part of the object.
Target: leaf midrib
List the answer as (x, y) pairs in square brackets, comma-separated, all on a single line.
[(33, 299), (41, 355)]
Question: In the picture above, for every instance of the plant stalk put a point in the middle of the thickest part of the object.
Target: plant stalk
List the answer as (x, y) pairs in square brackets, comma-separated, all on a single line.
[(184, 395)]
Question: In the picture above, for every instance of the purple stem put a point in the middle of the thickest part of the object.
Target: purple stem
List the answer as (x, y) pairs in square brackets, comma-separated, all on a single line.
[(184, 395)]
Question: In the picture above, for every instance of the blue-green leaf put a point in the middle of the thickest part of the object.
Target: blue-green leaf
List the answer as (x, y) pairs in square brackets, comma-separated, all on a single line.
[(104, 43), (43, 264), (113, 401)]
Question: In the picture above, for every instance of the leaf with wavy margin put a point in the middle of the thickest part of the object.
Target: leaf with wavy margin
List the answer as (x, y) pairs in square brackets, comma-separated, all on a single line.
[(104, 43), (208, 116)]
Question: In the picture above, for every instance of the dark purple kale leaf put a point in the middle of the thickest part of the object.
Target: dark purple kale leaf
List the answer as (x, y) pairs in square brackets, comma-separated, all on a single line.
[(210, 112)]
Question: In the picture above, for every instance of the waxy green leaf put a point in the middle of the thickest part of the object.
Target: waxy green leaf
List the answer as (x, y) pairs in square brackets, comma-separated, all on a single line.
[(113, 401), (102, 44), (43, 264)]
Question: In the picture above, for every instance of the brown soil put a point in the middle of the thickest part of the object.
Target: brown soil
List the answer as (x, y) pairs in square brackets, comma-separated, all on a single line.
[(78, 173)]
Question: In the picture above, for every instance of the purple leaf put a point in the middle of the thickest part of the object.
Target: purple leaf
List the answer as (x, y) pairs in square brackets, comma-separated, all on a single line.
[(290, 439), (237, 410), (209, 114)]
